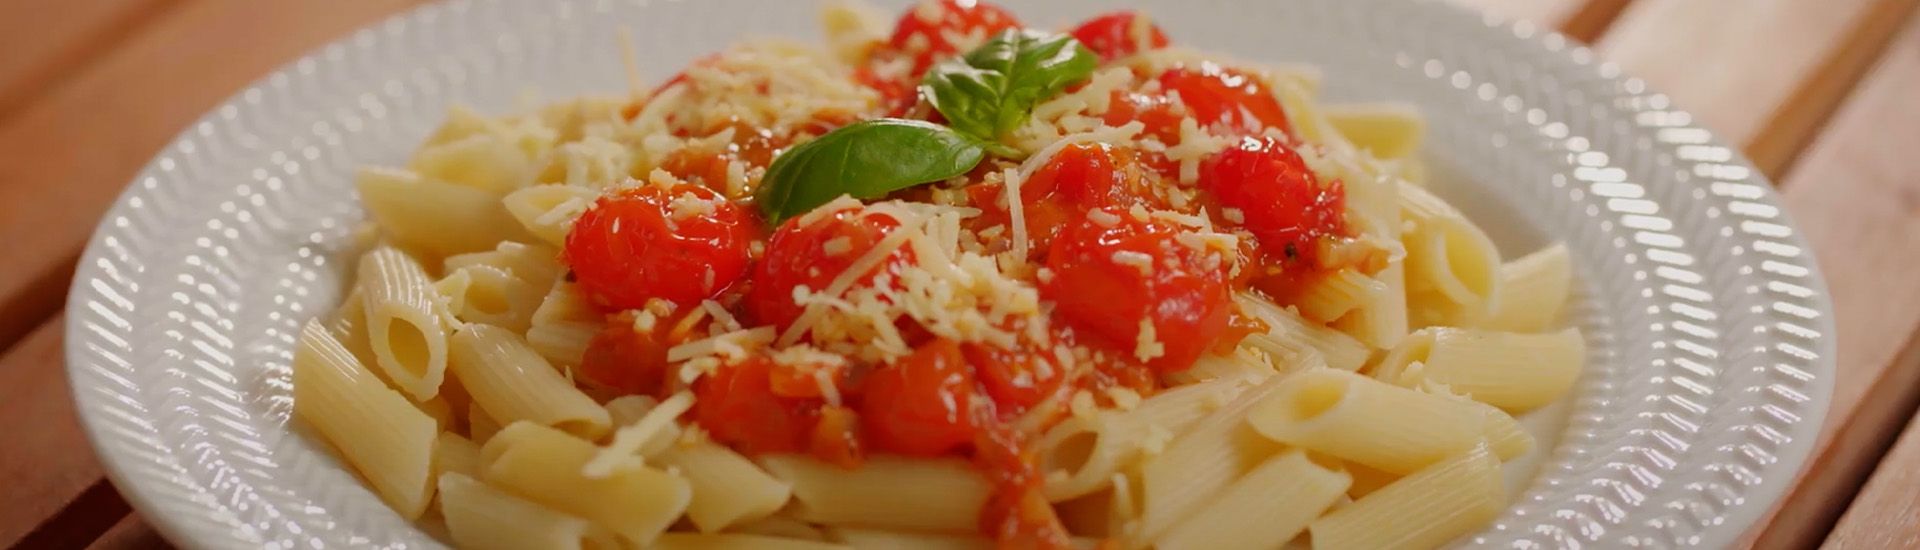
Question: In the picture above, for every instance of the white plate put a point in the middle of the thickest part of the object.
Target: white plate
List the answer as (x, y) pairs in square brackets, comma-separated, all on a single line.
[(1710, 333)]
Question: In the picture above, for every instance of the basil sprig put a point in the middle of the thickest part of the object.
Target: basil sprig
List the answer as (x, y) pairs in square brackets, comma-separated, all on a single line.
[(866, 160), (984, 95), (992, 90)]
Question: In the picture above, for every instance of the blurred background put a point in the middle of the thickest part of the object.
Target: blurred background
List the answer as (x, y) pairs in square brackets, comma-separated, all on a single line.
[(1821, 94)]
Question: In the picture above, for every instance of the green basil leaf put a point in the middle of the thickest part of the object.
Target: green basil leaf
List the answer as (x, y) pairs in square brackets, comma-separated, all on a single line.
[(866, 160), (992, 90)]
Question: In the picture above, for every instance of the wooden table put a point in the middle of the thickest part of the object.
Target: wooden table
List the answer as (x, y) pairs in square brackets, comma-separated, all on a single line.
[(1823, 94)]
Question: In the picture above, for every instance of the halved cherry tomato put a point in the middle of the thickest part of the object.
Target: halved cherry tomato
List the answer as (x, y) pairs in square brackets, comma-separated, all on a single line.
[(629, 360), (1223, 96), (921, 405), (737, 406), (1111, 35), (924, 31), (1108, 280), (1157, 112), (813, 255), (1016, 380), (631, 246), (1281, 201)]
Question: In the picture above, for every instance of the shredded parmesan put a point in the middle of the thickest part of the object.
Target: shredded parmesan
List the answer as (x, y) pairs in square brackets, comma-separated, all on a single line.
[(1147, 345), (1016, 212), (628, 441)]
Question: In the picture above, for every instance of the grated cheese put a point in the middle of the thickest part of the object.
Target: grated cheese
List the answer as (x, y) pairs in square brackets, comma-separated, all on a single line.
[(1147, 346), (627, 442)]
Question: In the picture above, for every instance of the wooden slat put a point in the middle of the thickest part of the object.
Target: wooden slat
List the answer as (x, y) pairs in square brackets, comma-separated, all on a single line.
[(130, 534), (1736, 63), (46, 464), (69, 153), (1886, 513), (1857, 197), (44, 40)]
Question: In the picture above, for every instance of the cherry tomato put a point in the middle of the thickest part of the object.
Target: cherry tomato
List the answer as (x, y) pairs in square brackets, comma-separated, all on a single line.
[(631, 246), (836, 438), (813, 255), (737, 406), (1111, 35), (1280, 200), (1106, 281), (1016, 380), (897, 95), (923, 32), (921, 405), (1218, 95), (630, 361), (1081, 174), (1157, 112)]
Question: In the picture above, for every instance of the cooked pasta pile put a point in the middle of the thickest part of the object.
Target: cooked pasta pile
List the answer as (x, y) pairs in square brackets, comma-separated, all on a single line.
[(953, 283)]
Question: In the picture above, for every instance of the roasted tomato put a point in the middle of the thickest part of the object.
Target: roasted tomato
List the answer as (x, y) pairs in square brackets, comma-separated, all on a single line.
[(922, 404), (1016, 380), (630, 358), (1157, 113), (811, 251), (1278, 199), (1113, 35), (926, 31), (1217, 95), (738, 406), (1111, 280), (682, 244)]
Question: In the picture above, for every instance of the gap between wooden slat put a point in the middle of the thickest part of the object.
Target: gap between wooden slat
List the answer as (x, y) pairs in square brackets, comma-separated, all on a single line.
[(71, 151), (132, 533), (1593, 19), (1733, 63), (1886, 510), (46, 41), (1856, 197), (46, 465), (1795, 123), (1883, 510), (82, 522)]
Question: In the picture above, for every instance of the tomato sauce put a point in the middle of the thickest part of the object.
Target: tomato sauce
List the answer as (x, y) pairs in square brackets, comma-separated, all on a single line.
[(1133, 296)]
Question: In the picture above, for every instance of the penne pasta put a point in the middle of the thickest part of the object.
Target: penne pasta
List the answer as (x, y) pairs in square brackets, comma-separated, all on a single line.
[(938, 495), (376, 429), (1388, 130), (563, 325), (1363, 420), (1328, 298), (1516, 372), (1452, 267), (548, 211), (1079, 456), (1423, 510), (737, 541), (1291, 339), (1533, 290), (433, 216), (512, 383), (545, 465), (1203, 461), (1265, 508), (484, 294), (488, 162), (728, 489), (875, 539), (405, 322), (483, 518), (455, 454)]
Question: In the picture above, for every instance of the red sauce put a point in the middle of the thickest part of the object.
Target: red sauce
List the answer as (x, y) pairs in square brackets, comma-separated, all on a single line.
[(1106, 274)]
